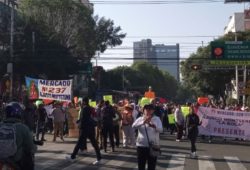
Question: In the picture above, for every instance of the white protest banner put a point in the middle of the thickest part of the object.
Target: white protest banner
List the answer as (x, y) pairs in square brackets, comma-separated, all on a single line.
[(55, 89), (226, 123)]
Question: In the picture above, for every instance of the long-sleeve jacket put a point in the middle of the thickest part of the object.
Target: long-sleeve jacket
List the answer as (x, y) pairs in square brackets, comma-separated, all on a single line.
[(192, 123), (85, 118), (153, 133), (24, 140)]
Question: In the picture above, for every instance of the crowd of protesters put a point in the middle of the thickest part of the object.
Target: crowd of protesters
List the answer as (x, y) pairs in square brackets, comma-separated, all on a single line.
[(124, 124)]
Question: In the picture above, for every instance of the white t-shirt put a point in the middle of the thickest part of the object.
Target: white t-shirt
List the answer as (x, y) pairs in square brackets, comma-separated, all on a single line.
[(153, 133)]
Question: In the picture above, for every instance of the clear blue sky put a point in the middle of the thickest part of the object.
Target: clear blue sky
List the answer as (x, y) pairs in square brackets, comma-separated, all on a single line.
[(175, 23)]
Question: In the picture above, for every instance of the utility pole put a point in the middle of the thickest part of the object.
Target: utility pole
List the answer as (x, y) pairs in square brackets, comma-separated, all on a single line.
[(236, 74), (10, 64), (33, 43)]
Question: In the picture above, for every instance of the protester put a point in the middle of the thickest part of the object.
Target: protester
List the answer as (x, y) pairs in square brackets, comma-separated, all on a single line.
[(116, 124), (108, 114), (149, 126), (29, 115), (87, 130), (59, 119), (179, 122), (22, 155), (128, 131), (192, 123), (99, 136), (41, 115)]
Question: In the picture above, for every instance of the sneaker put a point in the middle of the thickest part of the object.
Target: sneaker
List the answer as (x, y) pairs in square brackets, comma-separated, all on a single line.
[(192, 155), (97, 162), (195, 154), (177, 140), (69, 158)]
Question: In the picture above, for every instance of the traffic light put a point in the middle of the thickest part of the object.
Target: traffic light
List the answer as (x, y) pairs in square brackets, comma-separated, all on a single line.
[(196, 67), (217, 50)]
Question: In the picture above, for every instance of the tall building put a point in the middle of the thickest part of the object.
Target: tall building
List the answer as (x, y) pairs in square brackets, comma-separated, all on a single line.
[(238, 22), (143, 50), (165, 57)]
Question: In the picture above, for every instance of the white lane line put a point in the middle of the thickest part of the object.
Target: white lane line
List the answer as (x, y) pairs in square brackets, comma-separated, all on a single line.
[(177, 162), (234, 163), (205, 163)]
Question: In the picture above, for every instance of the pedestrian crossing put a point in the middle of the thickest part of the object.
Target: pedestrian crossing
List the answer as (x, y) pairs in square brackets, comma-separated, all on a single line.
[(127, 159)]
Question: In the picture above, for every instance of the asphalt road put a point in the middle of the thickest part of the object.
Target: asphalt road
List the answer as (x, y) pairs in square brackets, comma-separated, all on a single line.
[(219, 155)]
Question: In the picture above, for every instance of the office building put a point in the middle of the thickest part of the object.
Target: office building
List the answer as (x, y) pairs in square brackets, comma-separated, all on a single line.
[(165, 57), (143, 51)]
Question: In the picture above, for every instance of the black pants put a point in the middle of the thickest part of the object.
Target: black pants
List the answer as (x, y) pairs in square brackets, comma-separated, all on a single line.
[(40, 128), (143, 157), (179, 131), (107, 130), (84, 134), (172, 128), (192, 137), (117, 135), (83, 146)]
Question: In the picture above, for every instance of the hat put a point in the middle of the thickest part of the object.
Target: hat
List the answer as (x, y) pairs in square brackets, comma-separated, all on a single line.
[(149, 107)]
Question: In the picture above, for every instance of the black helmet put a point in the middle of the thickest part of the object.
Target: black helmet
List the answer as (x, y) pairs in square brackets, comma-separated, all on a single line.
[(13, 110)]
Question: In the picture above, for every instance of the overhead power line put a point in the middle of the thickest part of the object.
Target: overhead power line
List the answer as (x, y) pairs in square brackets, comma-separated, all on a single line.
[(148, 59), (156, 2), (173, 36)]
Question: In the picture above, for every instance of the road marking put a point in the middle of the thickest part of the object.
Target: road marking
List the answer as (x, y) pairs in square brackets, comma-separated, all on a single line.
[(176, 162), (205, 163), (234, 163), (116, 162), (80, 163), (55, 158)]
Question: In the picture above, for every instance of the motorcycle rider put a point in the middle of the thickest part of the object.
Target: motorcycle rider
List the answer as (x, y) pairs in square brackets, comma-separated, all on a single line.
[(23, 158)]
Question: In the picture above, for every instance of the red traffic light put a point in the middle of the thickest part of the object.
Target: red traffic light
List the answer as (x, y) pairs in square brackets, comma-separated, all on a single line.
[(196, 67), (218, 52)]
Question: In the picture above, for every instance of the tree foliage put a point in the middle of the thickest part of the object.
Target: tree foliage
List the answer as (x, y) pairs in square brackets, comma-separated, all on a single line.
[(71, 24), (65, 33), (206, 81), (139, 77)]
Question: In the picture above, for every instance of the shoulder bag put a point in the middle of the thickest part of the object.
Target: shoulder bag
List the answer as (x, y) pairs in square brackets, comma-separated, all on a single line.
[(154, 150)]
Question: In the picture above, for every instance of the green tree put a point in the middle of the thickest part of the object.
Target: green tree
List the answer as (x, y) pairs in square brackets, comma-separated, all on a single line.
[(72, 24), (206, 81), (139, 77)]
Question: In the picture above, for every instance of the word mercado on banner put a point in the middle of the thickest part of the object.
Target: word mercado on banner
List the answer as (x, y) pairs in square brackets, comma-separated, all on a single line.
[(55, 82)]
